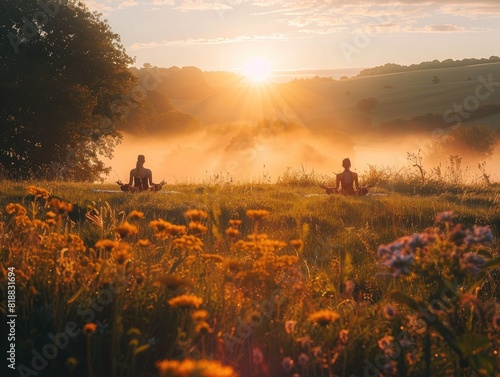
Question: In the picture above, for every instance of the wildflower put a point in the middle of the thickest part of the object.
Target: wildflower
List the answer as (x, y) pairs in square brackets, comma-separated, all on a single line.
[(290, 326), (134, 332), (197, 227), (89, 328), (191, 368), (458, 235), (165, 229), (344, 336), (171, 281), (349, 287), (17, 209), (106, 244), (446, 217), (143, 242), (303, 359), (257, 356), (287, 364), (60, 205), (385, 342), (411, 357), (305, 341), (186, 301), (257, 214), (416, 324), (389, 312), (400, 263), (199, 315), (235, 223), (121, 253), (324, 317), (125, 229), (496, 322), (50, 215), (38, 192), (232, 232), (203, 328), (71, 363), (165, 366), (196, 215), (472, 263), (133, 343), (297, 244), (135, 215), (480, 235)]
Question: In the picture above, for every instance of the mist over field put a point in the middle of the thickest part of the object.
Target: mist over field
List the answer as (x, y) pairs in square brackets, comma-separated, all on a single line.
[(205, 126)]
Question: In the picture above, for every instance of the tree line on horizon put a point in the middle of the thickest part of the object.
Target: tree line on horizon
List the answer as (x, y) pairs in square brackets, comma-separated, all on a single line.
[(435, 64)]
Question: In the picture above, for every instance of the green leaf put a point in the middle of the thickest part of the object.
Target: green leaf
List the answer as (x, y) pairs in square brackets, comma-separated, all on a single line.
[(406, 300), (493, 263)]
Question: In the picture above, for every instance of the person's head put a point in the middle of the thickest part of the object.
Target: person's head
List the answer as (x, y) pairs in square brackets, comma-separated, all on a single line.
[(346, 163), (140, 160)]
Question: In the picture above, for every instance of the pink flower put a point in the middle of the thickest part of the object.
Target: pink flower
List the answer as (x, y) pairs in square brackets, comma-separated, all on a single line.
[(287, 364), (257, 357), (290, 326)]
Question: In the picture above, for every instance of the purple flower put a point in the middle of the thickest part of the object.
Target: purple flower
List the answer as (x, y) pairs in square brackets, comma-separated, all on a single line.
[(473, 263), (446, 217), (480, 235), (400, 263), (390, 312)]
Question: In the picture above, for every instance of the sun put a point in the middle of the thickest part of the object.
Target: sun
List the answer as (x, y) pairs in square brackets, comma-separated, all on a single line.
[(257, 69)]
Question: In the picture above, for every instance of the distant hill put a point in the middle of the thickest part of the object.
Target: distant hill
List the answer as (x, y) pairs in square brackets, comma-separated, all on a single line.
[(435, 64), (418, 99)]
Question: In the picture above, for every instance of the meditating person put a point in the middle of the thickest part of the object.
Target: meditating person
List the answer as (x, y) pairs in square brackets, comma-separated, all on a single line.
[(141, 179), (346, 182), (347, 179)]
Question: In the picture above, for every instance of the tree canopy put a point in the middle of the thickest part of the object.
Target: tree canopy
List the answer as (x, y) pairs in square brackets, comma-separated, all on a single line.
[(65, 81)]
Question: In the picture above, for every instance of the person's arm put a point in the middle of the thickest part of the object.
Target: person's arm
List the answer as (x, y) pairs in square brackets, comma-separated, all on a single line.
[(149, 175), (337, 185), (356, 183), (131, 180)]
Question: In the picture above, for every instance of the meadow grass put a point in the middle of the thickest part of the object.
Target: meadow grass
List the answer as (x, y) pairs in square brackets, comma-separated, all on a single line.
[(305, 294)]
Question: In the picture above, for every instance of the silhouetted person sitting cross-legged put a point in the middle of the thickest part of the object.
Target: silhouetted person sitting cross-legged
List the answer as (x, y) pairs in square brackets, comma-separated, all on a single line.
[(141, 179), (346, 182)]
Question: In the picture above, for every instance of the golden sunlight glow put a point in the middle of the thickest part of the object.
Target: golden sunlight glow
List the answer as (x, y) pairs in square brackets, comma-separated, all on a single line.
[(257, 69)]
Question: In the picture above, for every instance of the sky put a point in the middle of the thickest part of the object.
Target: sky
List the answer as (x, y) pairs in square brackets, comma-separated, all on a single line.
[(300, 34)]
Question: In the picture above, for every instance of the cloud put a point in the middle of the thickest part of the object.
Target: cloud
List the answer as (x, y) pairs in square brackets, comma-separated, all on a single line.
[(207, 41), (443, 28)]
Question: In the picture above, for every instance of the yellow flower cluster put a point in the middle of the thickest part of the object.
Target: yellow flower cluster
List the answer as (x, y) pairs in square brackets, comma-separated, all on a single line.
[(324, 317), (165, 229), (257, 214), (121, 253), (38, 192), (194, 368), (15, 209), (60, 205), (126, 229), (186, 301), (196, 215), (189, 243), (135, 215)]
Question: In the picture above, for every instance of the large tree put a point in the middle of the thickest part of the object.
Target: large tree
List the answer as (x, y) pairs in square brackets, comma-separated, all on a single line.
[(65, 81)]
